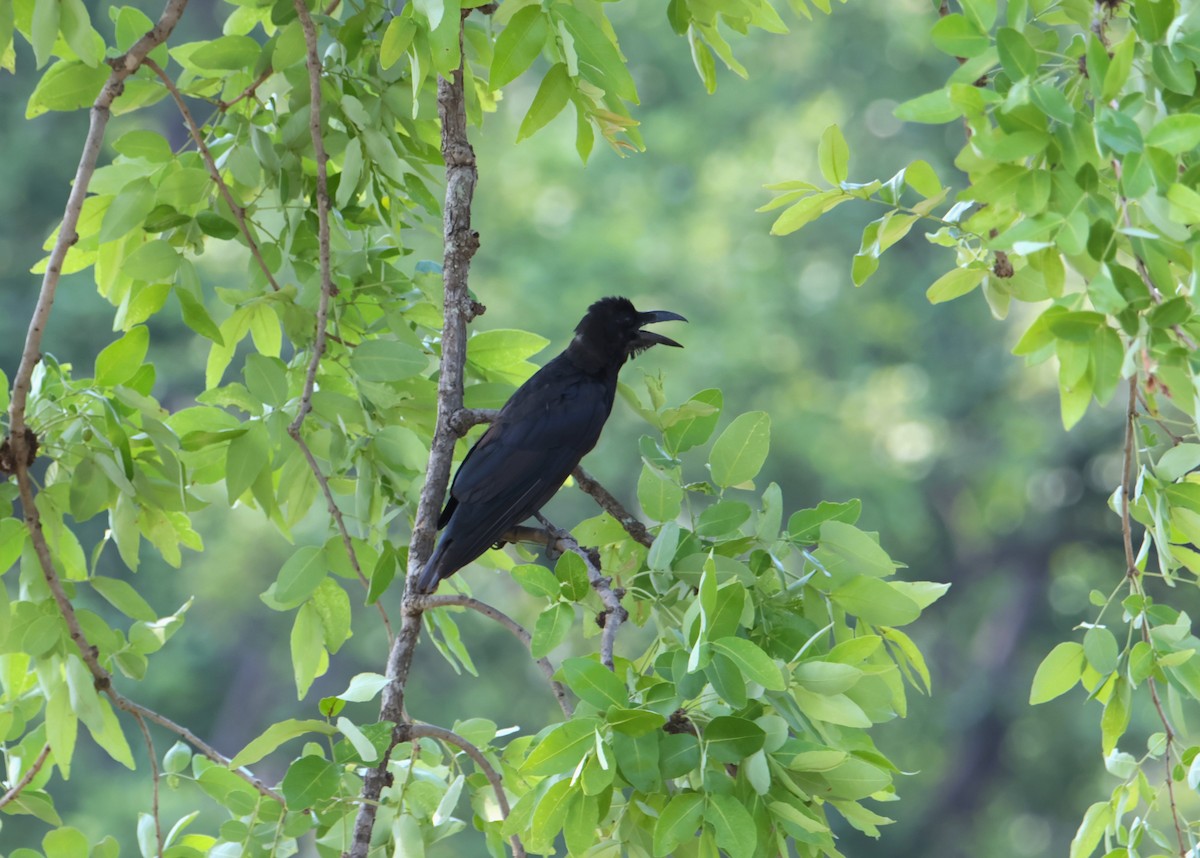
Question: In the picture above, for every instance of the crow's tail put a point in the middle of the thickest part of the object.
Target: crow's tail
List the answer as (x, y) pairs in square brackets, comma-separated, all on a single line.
[(432, 574)]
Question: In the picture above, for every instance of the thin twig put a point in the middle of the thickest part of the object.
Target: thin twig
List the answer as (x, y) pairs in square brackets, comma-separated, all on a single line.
[(614, 614), (238, 211), (460, 242), (26, 778), (465, 418), (420, 731), (1131, 571), (520, 632), (249, 91), (322, 195), (136, 709), (612, 506), (141, 722), (335, 513), (318, 349)]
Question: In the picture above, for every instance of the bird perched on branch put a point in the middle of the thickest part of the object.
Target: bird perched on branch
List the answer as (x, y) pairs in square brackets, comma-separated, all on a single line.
[(539, 436)]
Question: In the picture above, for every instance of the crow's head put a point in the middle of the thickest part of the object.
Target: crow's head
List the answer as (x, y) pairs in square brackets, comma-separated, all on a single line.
[(612, 329)]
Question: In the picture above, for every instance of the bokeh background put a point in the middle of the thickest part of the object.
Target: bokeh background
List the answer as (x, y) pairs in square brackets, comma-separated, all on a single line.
[(954, 447)]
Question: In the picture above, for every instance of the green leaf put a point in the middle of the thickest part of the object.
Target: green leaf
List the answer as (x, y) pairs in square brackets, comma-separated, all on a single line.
[(154, 261), (827, 677), (77, 29), (111, 738), (932, 108), (1101, 650), (503, 349), (1176, 134), (732, 824), (65, 843), (196, 317), (226, 53), (81, 686), (959, 37), (833, 156), (954, 284), (660, 496), (552, 96), (551, 628), (536, 580), (855, 549), (594, 683), (308, 648), (804, 526), (637, 757), (266, 378), (248, 455), (396, 40), (876, 601), (1017, 56), (730, 739), (678, 822), (1185, 204), (44, 30), (128, 210), (739, 452), (856, 779), (599, 59), (1058, 672), (66, 85), (1172, 465), (1115, 719), (754, 664), (634, 721), (722, 520), (518, 45), (562, 748), (300, 575), (1095, 821), (662, 552), (118, 362), (694, 426), (387, 360), (122, 596), (366, 750), (276, 735), (309, 780)]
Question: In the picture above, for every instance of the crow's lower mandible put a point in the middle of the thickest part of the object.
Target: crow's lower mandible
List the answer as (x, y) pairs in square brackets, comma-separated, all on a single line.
[(539, 436)]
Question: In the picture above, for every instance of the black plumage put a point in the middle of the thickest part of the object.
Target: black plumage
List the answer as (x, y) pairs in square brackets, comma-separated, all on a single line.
[(539, 436)]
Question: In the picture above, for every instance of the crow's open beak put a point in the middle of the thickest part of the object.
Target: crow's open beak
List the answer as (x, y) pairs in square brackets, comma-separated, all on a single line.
[(650, 338)]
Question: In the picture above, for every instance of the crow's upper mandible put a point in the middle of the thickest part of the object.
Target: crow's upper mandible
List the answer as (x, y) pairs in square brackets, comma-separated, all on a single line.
[(539, 436)]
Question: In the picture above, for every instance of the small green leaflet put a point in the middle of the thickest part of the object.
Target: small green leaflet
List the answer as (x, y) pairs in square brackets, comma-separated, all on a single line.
[(739, 452), (594, 683), (1058, 672)]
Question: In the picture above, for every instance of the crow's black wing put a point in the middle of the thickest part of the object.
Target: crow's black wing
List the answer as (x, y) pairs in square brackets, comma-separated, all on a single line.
[(518, 464)]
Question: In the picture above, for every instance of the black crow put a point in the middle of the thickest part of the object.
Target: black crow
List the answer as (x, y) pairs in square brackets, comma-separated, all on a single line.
[(539, 436)]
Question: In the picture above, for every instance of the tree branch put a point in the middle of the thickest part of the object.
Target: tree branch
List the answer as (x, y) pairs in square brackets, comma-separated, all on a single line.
[(313, 62), (22, 443), (520, 632), (141, 722), (614, 614), (136, 709), (26, 778), (612, 506), (419, 731), (1131, 572), (238, 211), (465, 418), (460, 242), (249, 91)]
